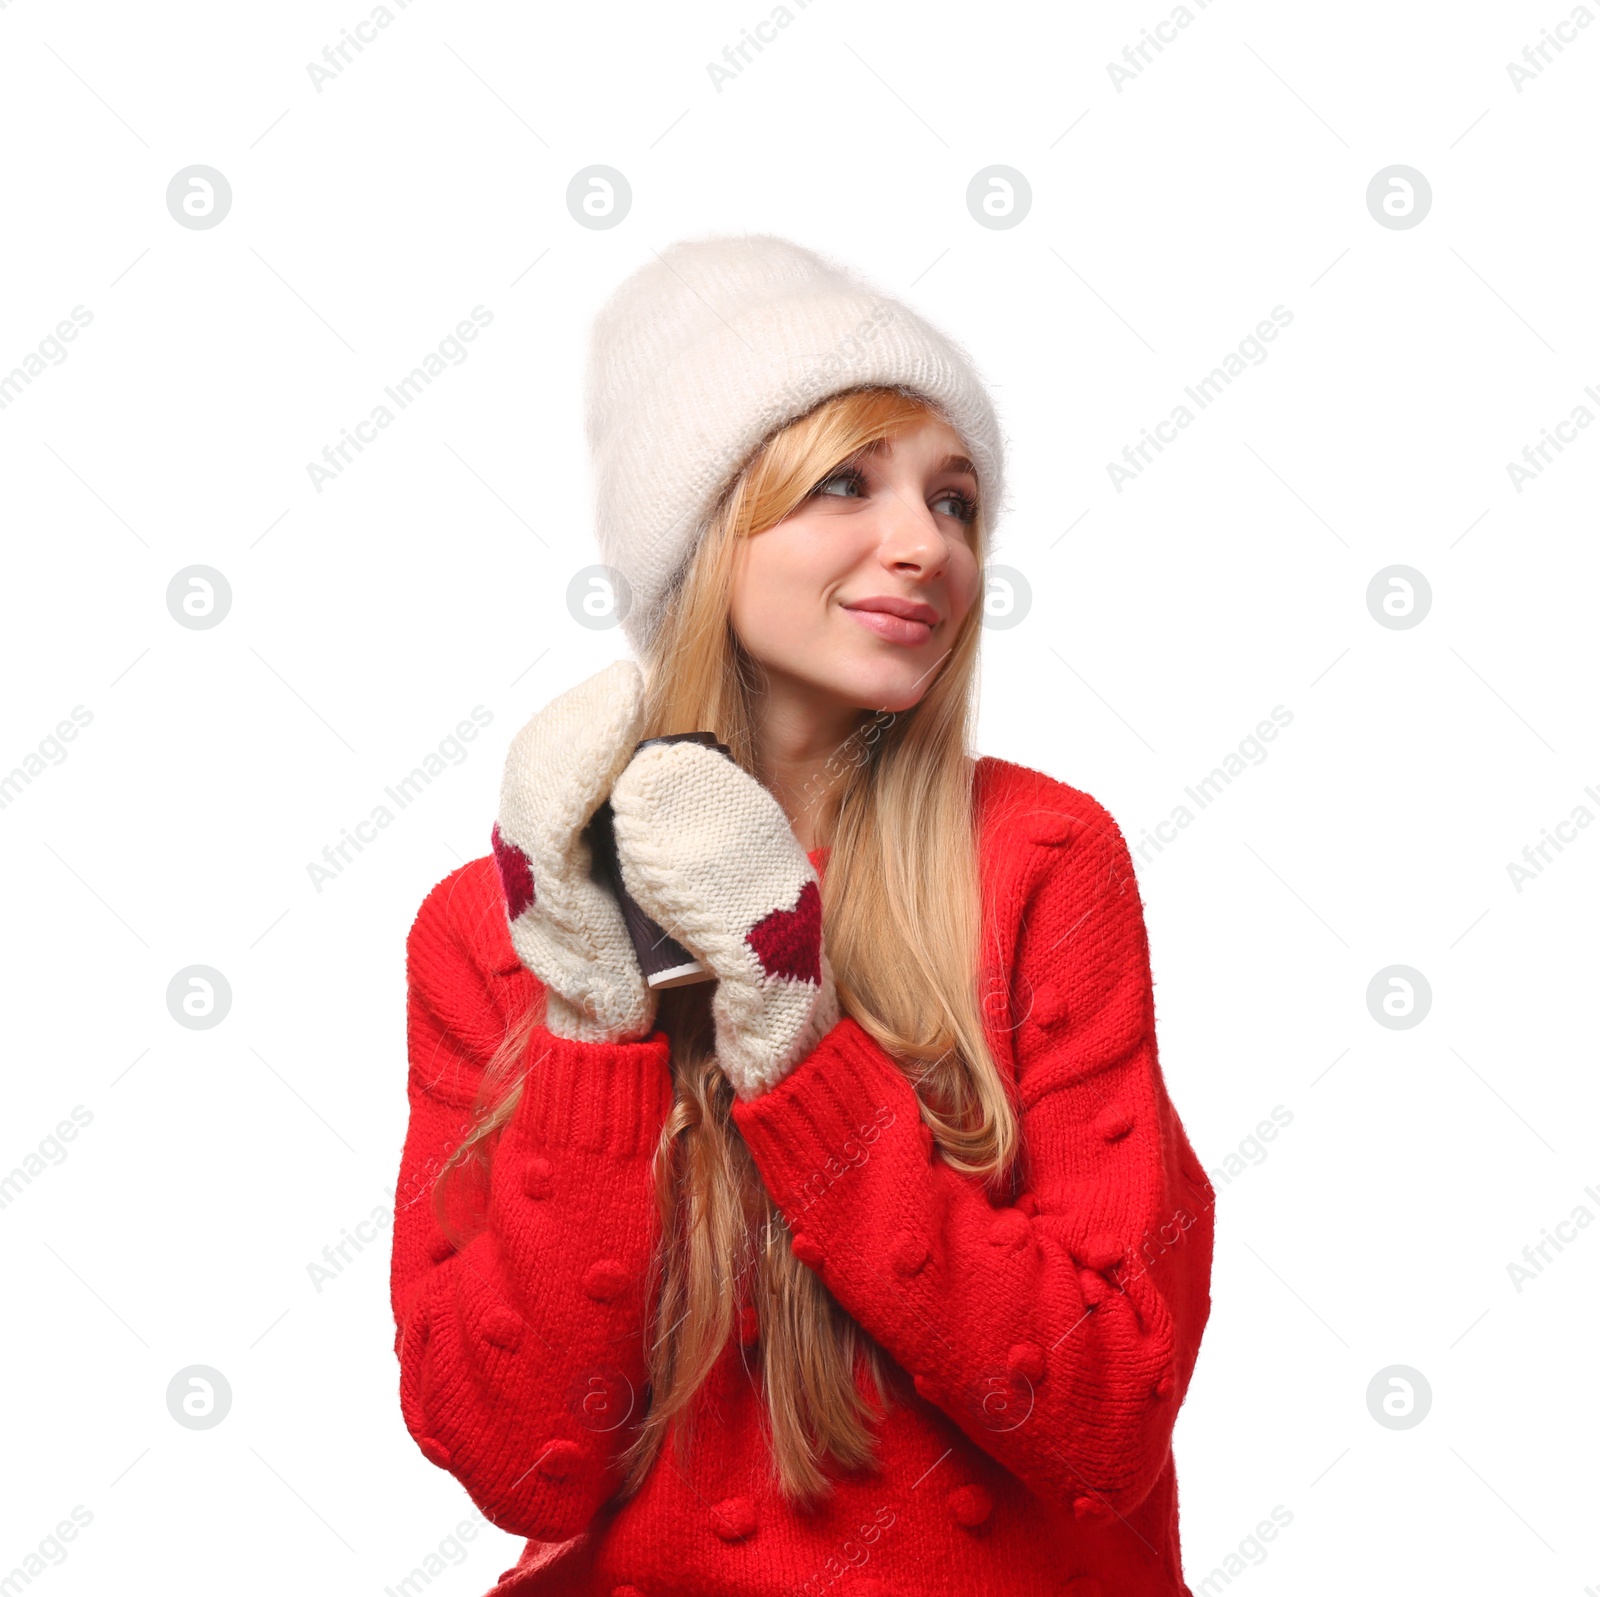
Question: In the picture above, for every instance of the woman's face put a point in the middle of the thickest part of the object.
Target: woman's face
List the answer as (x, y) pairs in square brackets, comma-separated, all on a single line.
[(853, 599)]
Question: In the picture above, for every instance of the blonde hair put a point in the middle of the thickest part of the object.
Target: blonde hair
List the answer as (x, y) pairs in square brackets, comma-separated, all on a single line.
[(902, 925)]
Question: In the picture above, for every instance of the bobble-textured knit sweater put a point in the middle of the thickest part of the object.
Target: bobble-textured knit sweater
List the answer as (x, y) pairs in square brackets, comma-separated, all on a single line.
[(1042, 1344)]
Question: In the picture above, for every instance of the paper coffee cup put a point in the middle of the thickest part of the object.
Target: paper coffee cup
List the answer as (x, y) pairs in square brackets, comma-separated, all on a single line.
[(664, 961)]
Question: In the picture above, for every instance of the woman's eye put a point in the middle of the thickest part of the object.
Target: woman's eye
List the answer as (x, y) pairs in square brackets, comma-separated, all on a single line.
[(851, 478), (966, 506)]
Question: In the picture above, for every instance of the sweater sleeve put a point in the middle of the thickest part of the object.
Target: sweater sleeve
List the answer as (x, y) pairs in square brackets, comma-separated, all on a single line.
[(1060, 1333), (522, 1354)]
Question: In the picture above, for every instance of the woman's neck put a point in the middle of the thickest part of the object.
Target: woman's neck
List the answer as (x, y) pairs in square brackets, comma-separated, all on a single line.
[(804, 750)]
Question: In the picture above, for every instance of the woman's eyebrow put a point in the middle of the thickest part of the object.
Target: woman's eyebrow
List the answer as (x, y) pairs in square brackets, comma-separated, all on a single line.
[(950, 462)]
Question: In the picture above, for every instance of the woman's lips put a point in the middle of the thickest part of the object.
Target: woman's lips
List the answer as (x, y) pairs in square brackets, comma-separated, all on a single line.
[(895, 628)]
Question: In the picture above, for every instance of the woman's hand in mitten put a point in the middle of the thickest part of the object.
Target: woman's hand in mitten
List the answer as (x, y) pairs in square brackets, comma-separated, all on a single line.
[(709, 855), (566, 928)]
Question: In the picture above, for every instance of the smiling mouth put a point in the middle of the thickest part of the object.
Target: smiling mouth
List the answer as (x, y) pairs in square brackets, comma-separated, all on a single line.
[(897, 629)]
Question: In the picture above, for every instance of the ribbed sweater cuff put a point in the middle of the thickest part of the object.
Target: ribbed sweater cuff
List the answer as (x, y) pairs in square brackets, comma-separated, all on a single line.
[(828, 1111), (608, 1098)]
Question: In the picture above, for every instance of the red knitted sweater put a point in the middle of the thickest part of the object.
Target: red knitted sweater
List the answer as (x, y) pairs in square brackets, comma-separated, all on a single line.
[(1048, 1341)]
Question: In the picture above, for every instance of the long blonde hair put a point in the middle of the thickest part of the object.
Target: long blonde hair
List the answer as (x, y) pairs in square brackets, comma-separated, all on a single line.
[(902, 925)]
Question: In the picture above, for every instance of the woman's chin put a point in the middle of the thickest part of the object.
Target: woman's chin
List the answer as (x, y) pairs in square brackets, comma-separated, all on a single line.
[(877, 677), (901, 688)]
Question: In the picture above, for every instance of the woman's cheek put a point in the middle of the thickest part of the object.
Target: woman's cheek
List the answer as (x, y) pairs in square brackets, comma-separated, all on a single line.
[(759, 609), (965, 590)]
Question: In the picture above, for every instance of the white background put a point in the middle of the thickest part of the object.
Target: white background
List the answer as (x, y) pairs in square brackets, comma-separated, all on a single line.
[(1168, 217)]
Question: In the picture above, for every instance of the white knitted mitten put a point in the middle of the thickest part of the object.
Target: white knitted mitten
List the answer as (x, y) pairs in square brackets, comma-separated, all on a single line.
[(709, 855), (567, 928)]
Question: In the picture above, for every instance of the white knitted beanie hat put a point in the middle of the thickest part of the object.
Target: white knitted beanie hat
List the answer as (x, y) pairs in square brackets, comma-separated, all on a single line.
[(704, 352)]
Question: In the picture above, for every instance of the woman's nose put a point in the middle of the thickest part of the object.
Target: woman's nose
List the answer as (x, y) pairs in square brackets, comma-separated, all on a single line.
[(910, 536)]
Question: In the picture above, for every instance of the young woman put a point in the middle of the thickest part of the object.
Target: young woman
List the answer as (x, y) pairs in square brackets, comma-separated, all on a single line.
[(879, 1264)]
